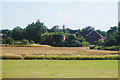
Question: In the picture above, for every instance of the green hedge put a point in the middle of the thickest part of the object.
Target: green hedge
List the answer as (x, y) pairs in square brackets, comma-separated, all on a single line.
[(112, 48), (105, 57)]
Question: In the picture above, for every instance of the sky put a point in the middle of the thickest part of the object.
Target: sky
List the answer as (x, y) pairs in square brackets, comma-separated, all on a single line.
[(74, 15)]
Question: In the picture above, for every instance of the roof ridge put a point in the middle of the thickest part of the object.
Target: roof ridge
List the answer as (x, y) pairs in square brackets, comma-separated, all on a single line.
[(89, 32), (95, 31)]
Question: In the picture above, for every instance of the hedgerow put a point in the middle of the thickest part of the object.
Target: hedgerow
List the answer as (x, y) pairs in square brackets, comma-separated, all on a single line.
[(104, 57)]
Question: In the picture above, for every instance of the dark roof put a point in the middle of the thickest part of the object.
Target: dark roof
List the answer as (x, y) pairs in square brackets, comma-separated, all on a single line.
[(85, 32), (73, 31), (95, 32)]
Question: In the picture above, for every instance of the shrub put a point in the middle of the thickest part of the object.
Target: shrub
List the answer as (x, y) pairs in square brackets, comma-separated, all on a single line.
[(110, 42), (84, 43), (61, 44), (92, 47), (73, 43), (9, 40), (100, 48), (57, 38), (112, 48), (31, 42), (25, 41)]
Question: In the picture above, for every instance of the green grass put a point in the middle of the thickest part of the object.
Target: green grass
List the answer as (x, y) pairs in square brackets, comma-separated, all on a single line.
[(60, 69)]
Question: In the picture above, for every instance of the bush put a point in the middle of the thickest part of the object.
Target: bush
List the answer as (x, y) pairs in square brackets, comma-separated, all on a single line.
[(9, 40), (118, 40), (25, 41), (113, 48), (73, 43), (110, 42), (31, 42), (57, 38), (100, 48), (70, 37), (62, 44), (17, 43), (92, 47), (84, 44)]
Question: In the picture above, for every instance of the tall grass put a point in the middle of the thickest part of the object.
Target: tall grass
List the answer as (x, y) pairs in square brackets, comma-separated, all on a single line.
[(90, 57)]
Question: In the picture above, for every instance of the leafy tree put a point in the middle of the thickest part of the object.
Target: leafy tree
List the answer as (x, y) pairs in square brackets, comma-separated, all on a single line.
[(103, 33), (119, 28), (64, 30), (7, 32), (57, 38), (47, 38), (18, 33), (67, 30), (117, 40), (55, 29), (89, 28), (112, 32), (34, 31)]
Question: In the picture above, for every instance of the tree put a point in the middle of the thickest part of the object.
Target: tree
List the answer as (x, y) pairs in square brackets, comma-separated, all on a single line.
[(67, 30), (35, 30), (55, 28), (64, 30), (117, 40), (47, 38), (103, 33), (7, 32), (119, 28), (57, 38), (18, 33), (89, 28), (112, 32)]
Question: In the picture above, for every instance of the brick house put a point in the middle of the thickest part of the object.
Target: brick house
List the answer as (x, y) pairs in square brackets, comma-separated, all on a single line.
[(90, 35), (93, 36)]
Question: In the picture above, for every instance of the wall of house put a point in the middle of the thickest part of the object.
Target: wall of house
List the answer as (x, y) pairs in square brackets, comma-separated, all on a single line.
[(93, 37)]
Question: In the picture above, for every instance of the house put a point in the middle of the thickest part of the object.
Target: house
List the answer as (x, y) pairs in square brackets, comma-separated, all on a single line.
[(2, 36), (93, 36), (90, 35)]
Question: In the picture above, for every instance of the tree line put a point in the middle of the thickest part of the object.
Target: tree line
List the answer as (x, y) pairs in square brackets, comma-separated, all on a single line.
[(37, 32)]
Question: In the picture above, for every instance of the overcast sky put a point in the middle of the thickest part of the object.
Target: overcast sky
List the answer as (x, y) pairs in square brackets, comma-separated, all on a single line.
[(75, 15)]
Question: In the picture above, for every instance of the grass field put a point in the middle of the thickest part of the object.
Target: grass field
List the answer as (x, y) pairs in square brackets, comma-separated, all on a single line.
[(60, 69)]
